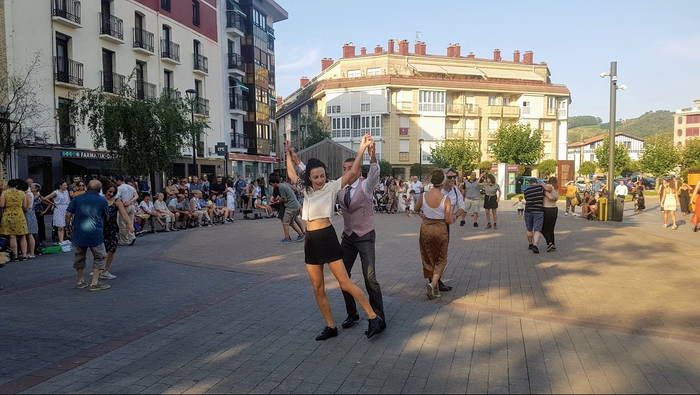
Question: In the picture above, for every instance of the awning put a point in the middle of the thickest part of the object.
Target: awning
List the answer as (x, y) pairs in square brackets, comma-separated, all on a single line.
[(91, 164), (443, 69), (511, 74), (241, 85), (232, 5), (427, 68)]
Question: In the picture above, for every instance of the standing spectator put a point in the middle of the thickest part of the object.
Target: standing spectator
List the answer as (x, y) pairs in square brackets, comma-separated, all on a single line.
[(597, 185), (79, 189), (521, 206), (492, 195), (32, 224), (621, 191), (669, 202), (90, 211), (434, 239), (195, 185), (456, 204), (110, 230), (14, 223), (205, 186), (40, 208), (231, 198), (240, 186), (72, 187), (219, 186), (170, 190), (60, 202), (417, 188), (164, 214), (696, 214), (571, 190), (128, 196), (639, 203), (291, 206), (143, 185), (472, 199), (684, 197), (551, 192), (588, 187), (534, 213)]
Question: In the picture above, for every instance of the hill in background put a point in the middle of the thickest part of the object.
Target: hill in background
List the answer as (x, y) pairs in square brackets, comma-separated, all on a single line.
[(651, 123)]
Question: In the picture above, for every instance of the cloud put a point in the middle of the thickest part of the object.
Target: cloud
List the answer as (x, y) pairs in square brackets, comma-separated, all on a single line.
[(305, 57)]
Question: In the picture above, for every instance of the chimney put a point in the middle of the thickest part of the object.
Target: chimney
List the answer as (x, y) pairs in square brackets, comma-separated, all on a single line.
[(456, 51), (497, 55), (326, 63), (516, 56), (450, 50), (348, 51), (363, 51), (303, 81), (403, 47), (471, 55), (378, 49), (390, 46), (419, 48), (527, 57)]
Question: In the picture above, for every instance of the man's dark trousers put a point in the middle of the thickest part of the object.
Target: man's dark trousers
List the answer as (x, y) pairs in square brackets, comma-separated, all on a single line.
[(351, 246)]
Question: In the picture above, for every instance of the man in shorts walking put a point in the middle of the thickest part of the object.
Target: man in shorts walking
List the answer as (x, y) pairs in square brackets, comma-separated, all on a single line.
[(472, 199), (90, 210), (291, 210), (534, 213)]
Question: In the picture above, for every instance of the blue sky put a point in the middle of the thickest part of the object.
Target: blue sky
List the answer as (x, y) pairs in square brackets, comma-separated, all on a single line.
[(656, 44)]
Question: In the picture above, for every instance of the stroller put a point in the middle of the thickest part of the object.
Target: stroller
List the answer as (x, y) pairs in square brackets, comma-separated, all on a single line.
[(381, 201)]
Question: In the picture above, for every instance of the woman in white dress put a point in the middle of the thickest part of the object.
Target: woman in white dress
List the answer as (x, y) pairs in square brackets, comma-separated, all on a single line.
[(60, 200), (231, 197), (669, 201)]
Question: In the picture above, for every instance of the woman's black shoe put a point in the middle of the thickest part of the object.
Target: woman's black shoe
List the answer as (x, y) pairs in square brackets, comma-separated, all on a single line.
[(350, 321), (443, 287), (375, 326), (327, 333)]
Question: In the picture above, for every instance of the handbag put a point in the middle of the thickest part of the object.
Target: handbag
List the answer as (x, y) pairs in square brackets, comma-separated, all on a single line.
[(575, 201)]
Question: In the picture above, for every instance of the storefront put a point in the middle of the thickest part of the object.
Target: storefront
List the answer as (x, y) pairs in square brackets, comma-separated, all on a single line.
[(48, 166), (251, 166)]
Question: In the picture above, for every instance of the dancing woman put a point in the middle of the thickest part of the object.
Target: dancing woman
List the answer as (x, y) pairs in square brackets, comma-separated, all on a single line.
[(321, 245)]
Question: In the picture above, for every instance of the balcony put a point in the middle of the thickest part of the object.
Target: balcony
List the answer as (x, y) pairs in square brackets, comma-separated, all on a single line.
[(551, 112), (454, 109), (504, 111), (236, 63), (145, 90), (66, 12), (262, 147), (67, 72), (201, 106), (238, 140), (171, 93), (561, 114), (235, 23), (111, 28), (66, 135), (112, 82), (169, 51), (431, 107), (472, 110), (201, 64), (143, 41), (404, 106), (460, 133), (237, 102)]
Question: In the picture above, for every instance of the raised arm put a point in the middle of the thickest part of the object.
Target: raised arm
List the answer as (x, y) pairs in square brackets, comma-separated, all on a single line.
[(291, 170), (355, 170), (373, 174)]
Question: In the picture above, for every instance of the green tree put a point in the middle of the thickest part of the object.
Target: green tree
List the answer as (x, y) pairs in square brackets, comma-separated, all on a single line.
[(547, 168), (385, 168), (622, 158), (317, 128), (518, 144), (587, 167), (583, 120), (484, 166), (690, 155), (144, 135), (659, 156), (416, 169), (459, 154)]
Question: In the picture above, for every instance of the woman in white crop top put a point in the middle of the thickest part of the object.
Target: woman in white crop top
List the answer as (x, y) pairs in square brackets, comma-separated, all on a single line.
[(321, 245), (433, 232)]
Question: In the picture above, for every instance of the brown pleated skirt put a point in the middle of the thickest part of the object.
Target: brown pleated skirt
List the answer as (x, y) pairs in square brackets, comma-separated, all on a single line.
[(433, 246)]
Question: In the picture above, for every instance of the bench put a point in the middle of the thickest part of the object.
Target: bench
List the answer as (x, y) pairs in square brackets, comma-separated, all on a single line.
[(258, 213)]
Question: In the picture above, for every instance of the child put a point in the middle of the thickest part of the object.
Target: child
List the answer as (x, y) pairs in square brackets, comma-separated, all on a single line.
[(263, 205), (408, 201), (521, 206)]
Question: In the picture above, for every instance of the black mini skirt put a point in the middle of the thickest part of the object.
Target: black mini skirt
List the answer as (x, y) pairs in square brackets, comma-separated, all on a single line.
[(321, 246)]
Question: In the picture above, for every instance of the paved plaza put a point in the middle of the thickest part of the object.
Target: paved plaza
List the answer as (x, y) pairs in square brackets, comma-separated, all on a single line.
[(228, 310)]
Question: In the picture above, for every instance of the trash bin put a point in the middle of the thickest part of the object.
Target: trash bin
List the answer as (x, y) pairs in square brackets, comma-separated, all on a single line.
[(619, 208), (603, 209)]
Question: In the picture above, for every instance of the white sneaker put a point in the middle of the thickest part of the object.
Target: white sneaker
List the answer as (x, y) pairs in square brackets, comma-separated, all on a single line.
[(565, 214), (107, 276)]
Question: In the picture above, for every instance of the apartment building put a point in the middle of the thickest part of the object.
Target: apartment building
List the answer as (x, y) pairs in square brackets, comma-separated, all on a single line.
[(687, 124), (247, 37), (584, 151), (155, 46), (410, 101)]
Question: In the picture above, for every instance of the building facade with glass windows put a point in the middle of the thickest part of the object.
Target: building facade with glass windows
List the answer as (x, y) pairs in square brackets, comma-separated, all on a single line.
[(687, 125), (410, 101)]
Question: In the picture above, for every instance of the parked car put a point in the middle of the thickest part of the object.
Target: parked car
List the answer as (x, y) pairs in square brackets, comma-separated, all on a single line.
[(522, 183), (648, 182)]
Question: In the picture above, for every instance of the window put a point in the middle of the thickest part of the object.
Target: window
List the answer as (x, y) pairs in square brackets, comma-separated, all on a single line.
[(506, 101), (373, 72), (493, 100), (340, 127), (526, 108), (680, 132), (431, 101), (692, 119), (403, 145), (333, 109), (165, 5), (551, 102), (354, 74), (167, 80), (692, 132), (364, 107), (195, 12), (627, 144)]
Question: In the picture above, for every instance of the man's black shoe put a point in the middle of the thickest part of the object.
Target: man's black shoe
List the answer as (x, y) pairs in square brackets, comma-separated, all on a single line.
[(535, 249), (327, 333), (476, 224), (443, 287), (375, 326), (350, 321), (461, 223)]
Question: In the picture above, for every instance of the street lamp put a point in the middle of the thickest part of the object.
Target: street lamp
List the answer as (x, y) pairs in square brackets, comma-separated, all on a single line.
[(420, 158), (191, 96), (302, 128), (611, 138)]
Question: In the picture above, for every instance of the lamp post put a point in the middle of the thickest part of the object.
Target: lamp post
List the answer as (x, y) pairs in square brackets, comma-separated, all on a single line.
[(191, 96), (420, 158), (301, 145), (611, 137)]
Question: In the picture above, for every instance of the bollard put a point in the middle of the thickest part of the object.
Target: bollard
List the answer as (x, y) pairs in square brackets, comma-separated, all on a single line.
[(603, 209)]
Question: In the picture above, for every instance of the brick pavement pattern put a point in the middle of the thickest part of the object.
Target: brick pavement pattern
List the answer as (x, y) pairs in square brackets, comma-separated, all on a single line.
[(227, 310)]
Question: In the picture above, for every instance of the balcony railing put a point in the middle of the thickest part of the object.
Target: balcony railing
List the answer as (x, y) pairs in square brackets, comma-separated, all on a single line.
[(561, 113), (404, 106), (235, 21), (170, 50), (66, 134), (112, 82), (67, 9), (172, 93), (236, 101), (238, 140), (460, 133), (454, 109), (472, 109), (143, 39), (67, 71), (431, 107), (236, 61), (201, 63), (112, 26), (201, 106), (551, 111), (145, 90), (504, 111)]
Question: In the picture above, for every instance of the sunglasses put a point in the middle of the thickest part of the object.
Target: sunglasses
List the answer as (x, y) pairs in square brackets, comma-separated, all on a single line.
[(451, 177)]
